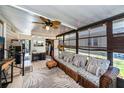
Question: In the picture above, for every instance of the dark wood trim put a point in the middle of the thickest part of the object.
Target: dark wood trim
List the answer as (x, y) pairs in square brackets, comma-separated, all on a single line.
[(106, 78), (2, 28), (120, 82), (1, 21), (93, 37), (109, 41), (63, 41), (0, 76), (94, 49), (118, 34), (69, 39), (77, 42), (118, 50), (72, 31)]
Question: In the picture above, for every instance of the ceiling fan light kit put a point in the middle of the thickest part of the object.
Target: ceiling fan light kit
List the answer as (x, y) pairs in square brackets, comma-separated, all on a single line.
[(48, 23), (47, 27)]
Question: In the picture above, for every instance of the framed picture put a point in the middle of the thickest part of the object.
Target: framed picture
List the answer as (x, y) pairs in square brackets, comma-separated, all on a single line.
[(38, 44)]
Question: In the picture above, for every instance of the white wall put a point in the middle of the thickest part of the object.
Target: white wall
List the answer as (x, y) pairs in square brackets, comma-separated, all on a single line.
[(27, 37), (10, 32)]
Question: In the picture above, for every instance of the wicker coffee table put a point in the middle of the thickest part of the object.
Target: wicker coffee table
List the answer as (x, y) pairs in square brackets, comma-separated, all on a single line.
[(50, 64)]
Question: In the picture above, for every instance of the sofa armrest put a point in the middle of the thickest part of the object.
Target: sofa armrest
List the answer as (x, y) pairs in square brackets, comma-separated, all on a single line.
[(106, 79)]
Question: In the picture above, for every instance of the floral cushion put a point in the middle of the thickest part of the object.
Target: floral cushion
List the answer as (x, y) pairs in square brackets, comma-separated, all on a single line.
[(66, 56), (71, 66), (60, 56), (101, 63), (93, 69), (90, 77), (82, 59), (65, 59), (104, 65), (70, 58), (76, 63)]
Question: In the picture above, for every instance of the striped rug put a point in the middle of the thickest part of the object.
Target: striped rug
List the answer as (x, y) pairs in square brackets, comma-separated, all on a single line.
[(42, 77)]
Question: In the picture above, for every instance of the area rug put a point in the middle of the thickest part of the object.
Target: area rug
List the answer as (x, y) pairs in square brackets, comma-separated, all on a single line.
[(42, 77)]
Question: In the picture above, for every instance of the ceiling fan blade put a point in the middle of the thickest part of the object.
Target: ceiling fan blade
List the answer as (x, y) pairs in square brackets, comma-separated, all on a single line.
[(43, 19), (56, 22), (55, 26), (38, 23)]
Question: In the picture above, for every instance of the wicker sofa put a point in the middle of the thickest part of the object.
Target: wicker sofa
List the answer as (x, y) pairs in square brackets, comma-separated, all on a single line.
[(90, 72)]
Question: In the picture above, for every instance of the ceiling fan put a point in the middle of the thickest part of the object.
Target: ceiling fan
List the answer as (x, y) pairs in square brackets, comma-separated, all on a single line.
[(48, 23)]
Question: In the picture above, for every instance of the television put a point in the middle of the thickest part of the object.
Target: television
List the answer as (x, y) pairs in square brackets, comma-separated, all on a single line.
[(1, 48)]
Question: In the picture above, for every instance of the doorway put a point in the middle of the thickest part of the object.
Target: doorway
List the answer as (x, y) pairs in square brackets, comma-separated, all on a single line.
[(50, 47)]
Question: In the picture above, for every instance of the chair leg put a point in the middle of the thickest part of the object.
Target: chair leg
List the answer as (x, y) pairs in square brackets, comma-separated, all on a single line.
[(4, 76)]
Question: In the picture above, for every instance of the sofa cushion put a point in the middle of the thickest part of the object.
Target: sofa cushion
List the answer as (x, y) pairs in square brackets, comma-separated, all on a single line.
[(57, 58), (90, 77), (104, 65), (61, 55), (65, 59), (61, 61), (74, 68), (76, 63), (101, 63), (71, 57), (67, 56), (93, 69), (81, 59)]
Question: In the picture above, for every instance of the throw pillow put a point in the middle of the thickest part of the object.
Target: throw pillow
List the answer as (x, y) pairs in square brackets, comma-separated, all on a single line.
[(103, 64), (76, 63), (98, 72), (93, 69), (65, 58), (83, 62)]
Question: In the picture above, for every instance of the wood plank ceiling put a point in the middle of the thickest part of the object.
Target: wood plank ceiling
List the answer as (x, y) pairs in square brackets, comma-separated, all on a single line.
[(71, 16)]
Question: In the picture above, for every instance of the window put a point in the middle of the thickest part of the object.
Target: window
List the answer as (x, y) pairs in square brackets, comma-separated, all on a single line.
[(118, 34), (118, 61), (98, 31), (84, 51), (99, 54), (84, 33), (60, 44), (98, 41), (60, 39), (83, 42), (118, 27), (70, 42), (98, 36), (89, 42), (72, 50), (93, 42)]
